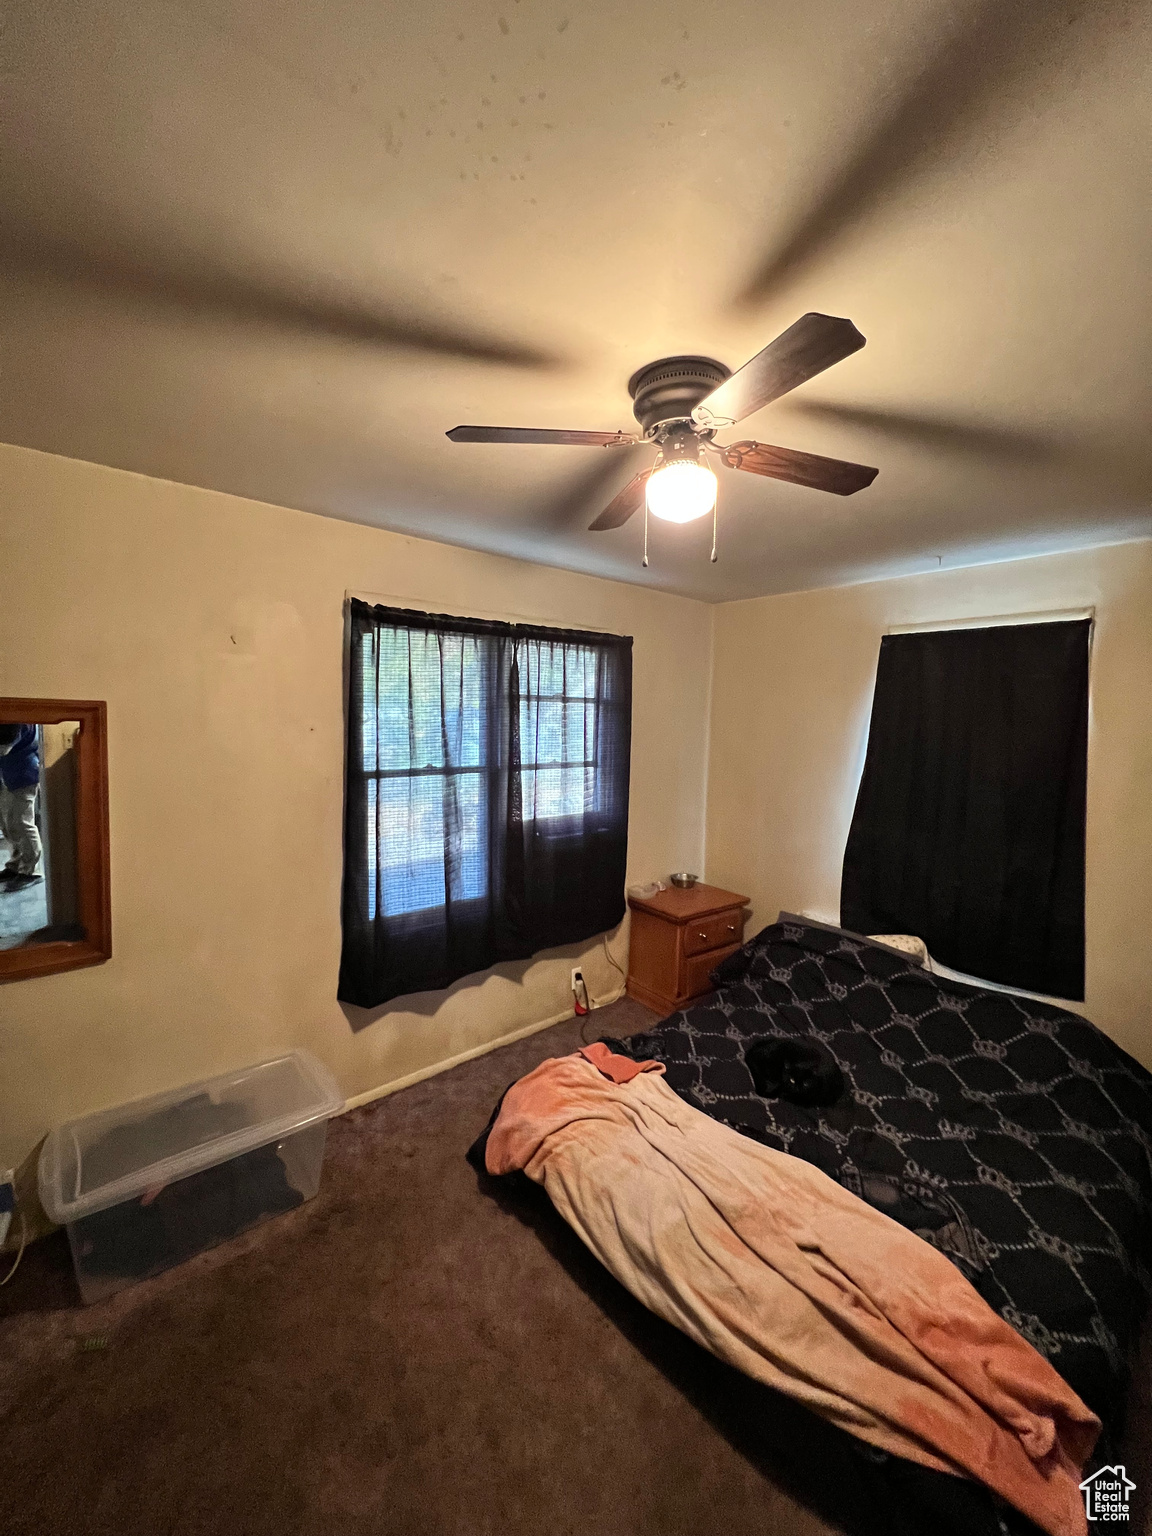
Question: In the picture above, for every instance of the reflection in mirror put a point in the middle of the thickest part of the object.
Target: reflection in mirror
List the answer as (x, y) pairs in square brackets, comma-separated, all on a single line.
[(39, 871), (55, 884)]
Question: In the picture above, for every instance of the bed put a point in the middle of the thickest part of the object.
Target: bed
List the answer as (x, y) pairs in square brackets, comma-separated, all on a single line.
[(1010, 1135)]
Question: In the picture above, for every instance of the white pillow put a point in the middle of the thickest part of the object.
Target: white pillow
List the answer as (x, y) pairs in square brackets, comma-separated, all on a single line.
[(905, 941)]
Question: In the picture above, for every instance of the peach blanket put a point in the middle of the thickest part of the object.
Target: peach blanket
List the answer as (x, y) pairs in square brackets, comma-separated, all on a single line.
[(780, 1271)]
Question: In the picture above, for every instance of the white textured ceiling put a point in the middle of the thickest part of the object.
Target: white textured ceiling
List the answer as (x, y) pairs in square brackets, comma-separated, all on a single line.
[(278, 247)]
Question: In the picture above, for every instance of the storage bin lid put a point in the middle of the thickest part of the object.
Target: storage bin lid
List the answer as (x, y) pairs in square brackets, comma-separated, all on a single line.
[(98, 1160)]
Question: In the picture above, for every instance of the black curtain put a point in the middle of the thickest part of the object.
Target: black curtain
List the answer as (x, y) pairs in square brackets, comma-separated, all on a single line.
[(969, 823), (486, 795)]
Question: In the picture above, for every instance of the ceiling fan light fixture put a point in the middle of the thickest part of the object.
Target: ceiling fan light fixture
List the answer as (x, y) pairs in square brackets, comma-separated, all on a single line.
[(679, 403), (681, 491)]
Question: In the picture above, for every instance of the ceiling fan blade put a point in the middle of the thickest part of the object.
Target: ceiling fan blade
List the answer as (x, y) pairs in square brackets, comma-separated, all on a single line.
[(1103, 466), (619, 510), (810, 469), (542, 435), (805, 349)]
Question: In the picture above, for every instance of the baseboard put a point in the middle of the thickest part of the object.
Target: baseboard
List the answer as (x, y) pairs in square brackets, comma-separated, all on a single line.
[(382, 1092)]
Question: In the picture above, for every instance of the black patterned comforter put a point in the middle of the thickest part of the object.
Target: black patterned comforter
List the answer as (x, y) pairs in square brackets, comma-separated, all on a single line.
[(1011, 1134)]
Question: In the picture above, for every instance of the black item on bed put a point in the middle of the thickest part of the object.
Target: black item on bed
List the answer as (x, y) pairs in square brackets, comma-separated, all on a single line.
[(798, 1070), (1014, 1136)]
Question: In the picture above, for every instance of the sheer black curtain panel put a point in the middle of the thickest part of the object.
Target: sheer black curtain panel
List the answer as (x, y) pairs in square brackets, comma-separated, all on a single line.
[(970, 818), (486, 795)]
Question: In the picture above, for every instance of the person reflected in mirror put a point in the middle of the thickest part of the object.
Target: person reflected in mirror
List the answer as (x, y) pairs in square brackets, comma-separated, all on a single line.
[(19, 783)]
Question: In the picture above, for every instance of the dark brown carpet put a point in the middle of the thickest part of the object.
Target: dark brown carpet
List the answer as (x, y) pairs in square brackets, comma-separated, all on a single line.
[(410, 1354), (404, 1354)]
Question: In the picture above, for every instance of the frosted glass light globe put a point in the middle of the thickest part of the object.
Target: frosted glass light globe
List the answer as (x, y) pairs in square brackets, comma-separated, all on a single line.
[(681, 491)]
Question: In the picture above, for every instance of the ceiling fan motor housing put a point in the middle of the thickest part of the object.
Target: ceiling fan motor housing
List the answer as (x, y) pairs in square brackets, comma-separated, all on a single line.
[(669, 390)]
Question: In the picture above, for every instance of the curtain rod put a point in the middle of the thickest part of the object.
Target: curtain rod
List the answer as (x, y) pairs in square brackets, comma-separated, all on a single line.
[(1050, 616), (432, 605)]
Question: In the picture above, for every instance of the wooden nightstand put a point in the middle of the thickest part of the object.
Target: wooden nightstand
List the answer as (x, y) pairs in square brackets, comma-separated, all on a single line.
[(677, 938)]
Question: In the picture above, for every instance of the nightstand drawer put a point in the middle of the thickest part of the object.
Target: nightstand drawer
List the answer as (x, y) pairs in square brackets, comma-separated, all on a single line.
[(697, 970), (711, 932)]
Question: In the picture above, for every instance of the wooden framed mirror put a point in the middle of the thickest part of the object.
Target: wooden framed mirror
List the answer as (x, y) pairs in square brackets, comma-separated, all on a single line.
[(55, 888)]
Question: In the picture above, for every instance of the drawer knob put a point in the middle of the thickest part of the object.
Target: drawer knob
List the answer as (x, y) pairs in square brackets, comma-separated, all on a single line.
[(701, 935), (731, 927)]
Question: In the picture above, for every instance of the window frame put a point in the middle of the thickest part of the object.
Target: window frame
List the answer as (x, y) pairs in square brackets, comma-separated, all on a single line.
[(552, 827)]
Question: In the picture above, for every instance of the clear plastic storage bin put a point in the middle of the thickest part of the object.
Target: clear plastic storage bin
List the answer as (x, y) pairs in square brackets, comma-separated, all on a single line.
[(149, 1184)]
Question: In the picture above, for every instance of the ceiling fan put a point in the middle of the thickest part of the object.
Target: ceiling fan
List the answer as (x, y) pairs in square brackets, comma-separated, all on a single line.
[(682, 402)]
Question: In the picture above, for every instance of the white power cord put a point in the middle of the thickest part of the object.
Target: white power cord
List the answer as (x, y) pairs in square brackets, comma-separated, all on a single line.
[(611, 958), (615, 964)]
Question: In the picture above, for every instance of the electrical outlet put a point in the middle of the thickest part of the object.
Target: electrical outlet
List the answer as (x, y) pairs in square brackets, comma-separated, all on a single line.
[(577, 977), (7, 1202)]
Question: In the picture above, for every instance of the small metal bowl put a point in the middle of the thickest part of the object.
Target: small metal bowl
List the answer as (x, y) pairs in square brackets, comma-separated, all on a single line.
[(684, 881)]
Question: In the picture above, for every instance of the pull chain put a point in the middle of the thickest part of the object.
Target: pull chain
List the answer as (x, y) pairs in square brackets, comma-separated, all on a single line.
[(714, 506), (645, 530)]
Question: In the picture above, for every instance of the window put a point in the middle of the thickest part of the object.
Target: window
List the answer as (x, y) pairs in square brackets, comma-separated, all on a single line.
[(486, 795), (969, 823), (558, 716), (422, 749)]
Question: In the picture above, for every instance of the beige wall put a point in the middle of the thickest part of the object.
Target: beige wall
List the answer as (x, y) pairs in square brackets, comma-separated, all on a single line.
[(791, 700), (213, 628)]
